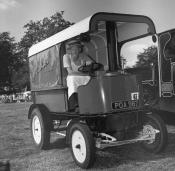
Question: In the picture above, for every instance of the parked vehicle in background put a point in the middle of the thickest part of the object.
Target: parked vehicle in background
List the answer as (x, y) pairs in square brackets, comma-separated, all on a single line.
[(161, 87), (27, 96), (111, 109), (16, 97)]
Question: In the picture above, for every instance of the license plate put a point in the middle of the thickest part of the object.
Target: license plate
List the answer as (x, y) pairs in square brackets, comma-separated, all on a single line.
[(124, 104)]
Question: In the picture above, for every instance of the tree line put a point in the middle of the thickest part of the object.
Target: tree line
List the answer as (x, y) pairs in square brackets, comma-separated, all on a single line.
[(14, 71)]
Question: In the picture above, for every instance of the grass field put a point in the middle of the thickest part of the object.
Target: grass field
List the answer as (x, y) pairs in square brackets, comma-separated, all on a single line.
[(16, 146)]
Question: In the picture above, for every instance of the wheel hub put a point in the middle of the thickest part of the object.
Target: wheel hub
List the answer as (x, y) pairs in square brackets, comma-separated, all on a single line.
[(150, 132), (78, 146)]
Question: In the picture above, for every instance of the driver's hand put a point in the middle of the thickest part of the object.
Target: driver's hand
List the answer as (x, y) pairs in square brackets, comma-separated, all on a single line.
[(88, 62)]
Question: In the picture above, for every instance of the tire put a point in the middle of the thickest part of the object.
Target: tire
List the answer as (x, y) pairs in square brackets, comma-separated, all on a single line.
[(39, 129), (161, 138), (82, 145)]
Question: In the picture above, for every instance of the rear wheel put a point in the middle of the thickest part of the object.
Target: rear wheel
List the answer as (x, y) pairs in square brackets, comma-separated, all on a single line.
[(82, 145), (154, 126), (39, 129)]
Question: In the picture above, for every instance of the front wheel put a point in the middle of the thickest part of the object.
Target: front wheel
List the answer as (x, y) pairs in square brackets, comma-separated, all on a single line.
[(155, 126), (82, 145)]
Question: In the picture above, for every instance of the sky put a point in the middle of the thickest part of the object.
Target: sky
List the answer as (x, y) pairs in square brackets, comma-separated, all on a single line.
[(14, 14)]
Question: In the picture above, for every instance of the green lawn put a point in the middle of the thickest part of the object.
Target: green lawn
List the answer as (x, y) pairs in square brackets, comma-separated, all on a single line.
[(16, 145)]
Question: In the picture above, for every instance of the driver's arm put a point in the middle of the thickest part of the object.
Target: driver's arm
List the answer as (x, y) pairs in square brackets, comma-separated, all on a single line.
[(67, 64)]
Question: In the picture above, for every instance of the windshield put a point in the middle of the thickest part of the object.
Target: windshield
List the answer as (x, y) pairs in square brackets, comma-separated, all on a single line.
[(138, 56), (135, 45), (112, 38), (138, 53)]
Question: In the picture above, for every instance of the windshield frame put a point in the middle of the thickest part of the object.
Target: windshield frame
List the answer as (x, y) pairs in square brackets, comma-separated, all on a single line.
[(114, 47)]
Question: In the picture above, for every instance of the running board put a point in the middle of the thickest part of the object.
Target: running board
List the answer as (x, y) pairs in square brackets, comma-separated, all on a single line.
[(101, 145), (62, 134)]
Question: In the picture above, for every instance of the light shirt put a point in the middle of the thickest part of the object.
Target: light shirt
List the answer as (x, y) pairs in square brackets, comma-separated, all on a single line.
[(69, 63), (74, 81)]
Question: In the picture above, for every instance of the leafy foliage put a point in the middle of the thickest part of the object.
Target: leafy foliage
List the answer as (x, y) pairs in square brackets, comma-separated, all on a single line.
[(9, 59), (144, 65), (146, 58), (20, 78)]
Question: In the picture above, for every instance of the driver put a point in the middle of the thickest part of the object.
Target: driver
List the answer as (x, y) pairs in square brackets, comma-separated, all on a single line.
[(72, 60)]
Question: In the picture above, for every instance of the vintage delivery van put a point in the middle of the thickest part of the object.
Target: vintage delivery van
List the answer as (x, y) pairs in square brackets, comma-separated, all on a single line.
[(111, 110)]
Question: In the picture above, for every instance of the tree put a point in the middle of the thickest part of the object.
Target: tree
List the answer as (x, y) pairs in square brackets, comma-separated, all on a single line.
[(36, 31), (148, 57), (9, 59), (20, 78)]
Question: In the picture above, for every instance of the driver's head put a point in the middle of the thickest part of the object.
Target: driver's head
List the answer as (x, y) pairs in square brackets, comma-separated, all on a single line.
[(75, 48)]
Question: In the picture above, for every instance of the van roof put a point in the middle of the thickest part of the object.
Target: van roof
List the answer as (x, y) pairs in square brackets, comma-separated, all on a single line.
[(72, 31), (86, 25)]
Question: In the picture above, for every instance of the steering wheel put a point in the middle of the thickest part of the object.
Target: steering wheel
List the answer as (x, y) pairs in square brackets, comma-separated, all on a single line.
[(90, 68)]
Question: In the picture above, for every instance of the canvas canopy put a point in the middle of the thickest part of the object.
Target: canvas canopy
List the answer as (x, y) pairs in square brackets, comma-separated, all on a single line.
[(89, 25)]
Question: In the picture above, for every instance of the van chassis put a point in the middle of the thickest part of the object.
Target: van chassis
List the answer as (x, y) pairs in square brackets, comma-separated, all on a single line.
[(86, 132), (104, 140)]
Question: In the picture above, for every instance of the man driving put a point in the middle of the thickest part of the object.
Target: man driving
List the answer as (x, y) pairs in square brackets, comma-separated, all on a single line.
[(72, 61)]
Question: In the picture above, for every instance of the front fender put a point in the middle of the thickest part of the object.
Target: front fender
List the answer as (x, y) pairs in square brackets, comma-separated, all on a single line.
[(41, 107), (30, 110)]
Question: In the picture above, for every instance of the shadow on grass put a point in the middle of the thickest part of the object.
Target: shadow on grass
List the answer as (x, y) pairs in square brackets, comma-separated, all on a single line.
[(59, 143), (132, 154)]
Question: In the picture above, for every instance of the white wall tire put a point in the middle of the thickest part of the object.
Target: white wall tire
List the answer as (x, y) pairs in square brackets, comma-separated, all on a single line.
[(39, 129), (82, 145), (153, 121), (79, 146)]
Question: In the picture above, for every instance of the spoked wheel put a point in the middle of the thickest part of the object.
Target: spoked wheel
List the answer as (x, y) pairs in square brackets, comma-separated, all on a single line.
[(82, 145), (156, 129), (39, 129)]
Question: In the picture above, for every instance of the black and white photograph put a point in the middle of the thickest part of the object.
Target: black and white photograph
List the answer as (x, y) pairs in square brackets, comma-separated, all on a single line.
[(87, 85)]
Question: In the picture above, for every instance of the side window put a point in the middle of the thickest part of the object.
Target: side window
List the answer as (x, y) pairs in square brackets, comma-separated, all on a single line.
[(45, 69)]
